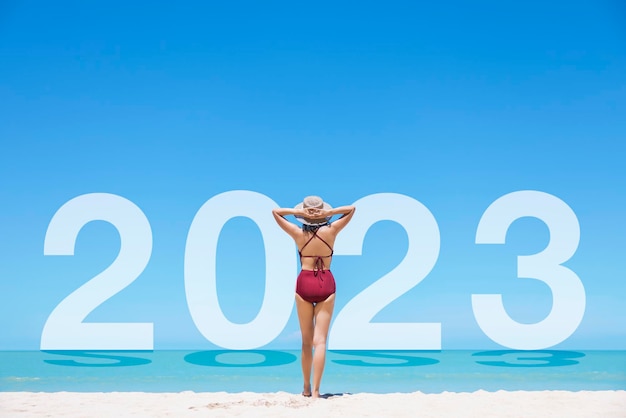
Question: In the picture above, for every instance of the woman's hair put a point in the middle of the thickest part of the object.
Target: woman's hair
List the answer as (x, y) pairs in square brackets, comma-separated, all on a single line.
[(313, 228)]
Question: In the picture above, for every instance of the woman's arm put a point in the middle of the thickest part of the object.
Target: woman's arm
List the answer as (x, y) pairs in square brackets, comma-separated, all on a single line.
[(341, 210), (288, 227), (346, 211), (289, 211)]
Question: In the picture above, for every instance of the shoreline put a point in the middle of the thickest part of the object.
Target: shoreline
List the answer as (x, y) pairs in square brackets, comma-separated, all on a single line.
[(544, 403)]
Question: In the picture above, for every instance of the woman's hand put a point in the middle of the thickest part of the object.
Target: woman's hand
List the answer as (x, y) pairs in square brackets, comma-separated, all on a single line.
[(315, 213)]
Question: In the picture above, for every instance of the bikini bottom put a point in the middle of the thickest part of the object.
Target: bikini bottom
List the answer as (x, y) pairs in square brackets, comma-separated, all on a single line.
[(315, 286)]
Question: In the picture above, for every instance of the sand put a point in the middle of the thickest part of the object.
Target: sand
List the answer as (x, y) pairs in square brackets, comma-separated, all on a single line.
[(481, 404)]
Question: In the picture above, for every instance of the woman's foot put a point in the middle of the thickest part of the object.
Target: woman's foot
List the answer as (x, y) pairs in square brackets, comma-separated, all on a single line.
[(307, 391)]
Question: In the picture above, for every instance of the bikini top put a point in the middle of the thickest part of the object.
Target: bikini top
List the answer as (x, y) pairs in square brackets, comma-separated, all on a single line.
[(319, 259)]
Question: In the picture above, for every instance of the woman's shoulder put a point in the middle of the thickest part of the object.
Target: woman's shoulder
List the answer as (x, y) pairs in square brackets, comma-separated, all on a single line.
[(329, 229)]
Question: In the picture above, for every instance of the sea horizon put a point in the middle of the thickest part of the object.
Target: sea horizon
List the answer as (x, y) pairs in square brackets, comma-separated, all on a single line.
[(388, 371)]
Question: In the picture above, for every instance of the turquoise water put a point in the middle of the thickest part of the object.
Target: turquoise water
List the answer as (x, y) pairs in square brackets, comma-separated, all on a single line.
[(346, 371)]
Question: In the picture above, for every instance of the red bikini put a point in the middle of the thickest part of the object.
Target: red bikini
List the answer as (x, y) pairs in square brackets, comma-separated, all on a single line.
[(318, 284)]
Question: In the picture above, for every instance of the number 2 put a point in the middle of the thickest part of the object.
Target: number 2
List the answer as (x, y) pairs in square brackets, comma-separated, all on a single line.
[(352, 328), (65, 329)]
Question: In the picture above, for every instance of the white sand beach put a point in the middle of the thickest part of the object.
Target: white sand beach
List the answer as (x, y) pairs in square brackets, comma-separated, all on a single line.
[(482, 404)]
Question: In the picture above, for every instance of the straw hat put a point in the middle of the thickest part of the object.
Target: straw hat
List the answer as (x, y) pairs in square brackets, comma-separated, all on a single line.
[(313, 202)]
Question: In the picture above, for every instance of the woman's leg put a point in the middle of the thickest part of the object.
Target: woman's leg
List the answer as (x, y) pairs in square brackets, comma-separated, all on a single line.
[(322, 313), (305, 316)]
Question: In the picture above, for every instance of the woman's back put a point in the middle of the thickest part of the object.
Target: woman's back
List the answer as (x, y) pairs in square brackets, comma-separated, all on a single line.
[(314, 245)]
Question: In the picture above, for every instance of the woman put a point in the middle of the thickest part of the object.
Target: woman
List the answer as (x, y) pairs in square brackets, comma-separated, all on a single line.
[(315, 286)]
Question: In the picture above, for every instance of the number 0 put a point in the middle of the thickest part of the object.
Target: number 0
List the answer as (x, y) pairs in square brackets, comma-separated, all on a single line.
[(201, 280)]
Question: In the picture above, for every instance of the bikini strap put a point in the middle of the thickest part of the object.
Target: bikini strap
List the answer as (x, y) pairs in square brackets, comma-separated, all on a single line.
[(319, 260), (310, 239), (328, 245), (307, 243)]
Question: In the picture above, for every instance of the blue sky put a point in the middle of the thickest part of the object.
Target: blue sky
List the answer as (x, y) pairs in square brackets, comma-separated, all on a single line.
[(452, 104)]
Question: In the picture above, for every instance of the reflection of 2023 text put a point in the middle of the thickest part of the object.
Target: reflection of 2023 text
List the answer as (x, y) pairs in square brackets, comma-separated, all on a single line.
[(352, 328)]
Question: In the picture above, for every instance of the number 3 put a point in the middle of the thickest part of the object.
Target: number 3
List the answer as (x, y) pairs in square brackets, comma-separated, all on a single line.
[(568, 293)]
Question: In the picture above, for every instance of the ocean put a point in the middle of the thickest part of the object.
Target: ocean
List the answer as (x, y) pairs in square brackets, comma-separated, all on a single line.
[(345, 372)]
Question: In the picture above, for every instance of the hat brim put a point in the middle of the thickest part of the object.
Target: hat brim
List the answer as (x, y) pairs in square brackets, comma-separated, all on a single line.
[(308, 221)]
